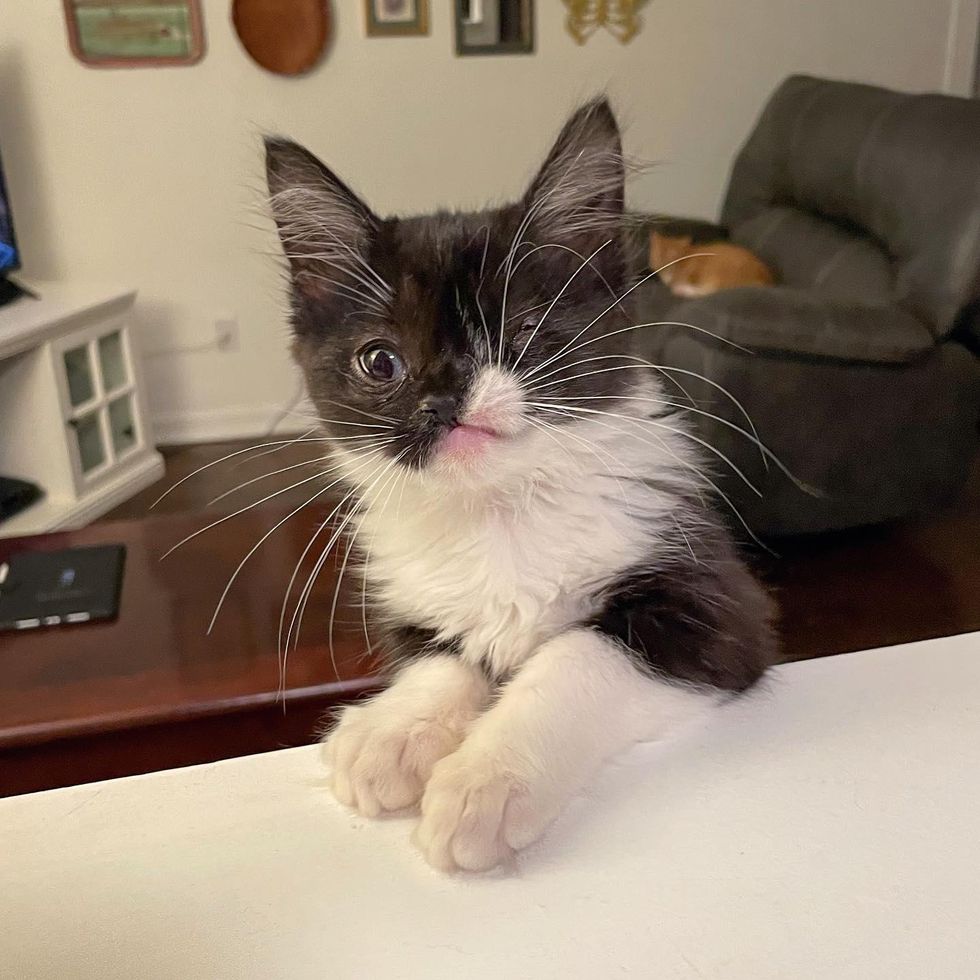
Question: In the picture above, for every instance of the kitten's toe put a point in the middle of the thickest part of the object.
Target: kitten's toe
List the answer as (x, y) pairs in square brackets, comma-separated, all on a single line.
[(379, 764), (340, 751), (378, 783), (476, 813)]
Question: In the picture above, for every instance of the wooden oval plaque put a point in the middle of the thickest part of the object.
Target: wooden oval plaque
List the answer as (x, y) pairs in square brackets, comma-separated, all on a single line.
[(287, 37)]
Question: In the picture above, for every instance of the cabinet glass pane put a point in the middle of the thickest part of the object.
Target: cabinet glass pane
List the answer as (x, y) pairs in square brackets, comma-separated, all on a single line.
[(112, 361), (90, 449), (79, 372), (121, 424)]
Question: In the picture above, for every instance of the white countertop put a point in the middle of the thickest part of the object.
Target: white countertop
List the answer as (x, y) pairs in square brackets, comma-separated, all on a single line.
[(826, 827)]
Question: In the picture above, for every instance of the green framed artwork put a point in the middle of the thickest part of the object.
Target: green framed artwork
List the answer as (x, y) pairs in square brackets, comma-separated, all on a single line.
[(135, 33)]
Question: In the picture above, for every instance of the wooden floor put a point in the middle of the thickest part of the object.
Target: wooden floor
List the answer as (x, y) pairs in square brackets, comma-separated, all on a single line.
[(836, 593)]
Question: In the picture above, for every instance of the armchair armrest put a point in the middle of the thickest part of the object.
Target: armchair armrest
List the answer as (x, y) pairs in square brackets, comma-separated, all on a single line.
[(800, 322)]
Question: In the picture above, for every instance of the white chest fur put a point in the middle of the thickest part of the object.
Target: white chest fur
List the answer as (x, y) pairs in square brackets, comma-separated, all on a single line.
[(502, 572)]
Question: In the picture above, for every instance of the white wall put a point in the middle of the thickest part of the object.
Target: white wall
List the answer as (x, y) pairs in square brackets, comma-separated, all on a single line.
[(147, 177)]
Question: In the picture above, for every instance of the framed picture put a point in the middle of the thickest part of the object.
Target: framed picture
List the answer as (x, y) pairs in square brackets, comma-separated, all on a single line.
[(135, 33), (396, 18), (494, 26)]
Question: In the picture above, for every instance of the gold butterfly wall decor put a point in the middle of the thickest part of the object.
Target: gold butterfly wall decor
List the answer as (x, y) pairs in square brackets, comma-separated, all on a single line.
[(619, 17)]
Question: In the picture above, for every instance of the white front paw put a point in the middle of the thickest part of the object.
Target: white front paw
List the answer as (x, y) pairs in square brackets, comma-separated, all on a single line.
[(381, 760), (479, 808)]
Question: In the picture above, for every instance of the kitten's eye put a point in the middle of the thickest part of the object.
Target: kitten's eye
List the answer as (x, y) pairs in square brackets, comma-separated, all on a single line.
[(525, 335), (527, 327), (382, 364)]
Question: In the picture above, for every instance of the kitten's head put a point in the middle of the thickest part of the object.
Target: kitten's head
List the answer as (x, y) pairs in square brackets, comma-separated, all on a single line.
[(440, 337)]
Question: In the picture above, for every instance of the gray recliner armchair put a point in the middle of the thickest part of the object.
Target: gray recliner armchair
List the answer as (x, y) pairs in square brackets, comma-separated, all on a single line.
[(862, 374)]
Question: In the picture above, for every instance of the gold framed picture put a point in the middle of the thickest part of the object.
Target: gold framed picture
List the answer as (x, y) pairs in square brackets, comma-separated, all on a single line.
[(135, 33), (396, 18)]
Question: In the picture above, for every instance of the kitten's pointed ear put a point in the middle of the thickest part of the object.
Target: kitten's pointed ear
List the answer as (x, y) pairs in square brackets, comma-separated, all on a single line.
[(324, 227), (578, 193)]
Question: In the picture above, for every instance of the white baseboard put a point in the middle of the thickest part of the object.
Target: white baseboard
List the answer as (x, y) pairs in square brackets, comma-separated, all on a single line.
[(239, 422)]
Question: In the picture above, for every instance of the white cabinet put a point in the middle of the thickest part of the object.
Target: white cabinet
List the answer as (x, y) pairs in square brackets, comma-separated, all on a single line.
[(72, 408), (98, 399)]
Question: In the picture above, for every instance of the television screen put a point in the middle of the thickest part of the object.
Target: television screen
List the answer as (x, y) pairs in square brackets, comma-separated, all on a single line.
[(9, 260)]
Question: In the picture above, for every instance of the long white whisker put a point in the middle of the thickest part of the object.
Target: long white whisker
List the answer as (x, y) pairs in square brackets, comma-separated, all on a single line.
[(661, 443), (702, 476), (394, 480), (303, 237), (589, 326), (255, 547), (539, 382), (515, 244), (350, 292), (640, 326), (385, 289), (373, 292), (311, 240), (636, 363), (266, 476), (530, 309), (766, 453), (243, 510), (547, 425), (352, 538), (356, 425), (300, 610), (479, 287), (558, 296), (578, 255), (292, 633), (664, 369), (237, 452), (660, 425), (591, 447), (336, 594), (358, 411), (304, 592), (360, 451), (667, 371), (306, 551), (303, 437), (371, 271)]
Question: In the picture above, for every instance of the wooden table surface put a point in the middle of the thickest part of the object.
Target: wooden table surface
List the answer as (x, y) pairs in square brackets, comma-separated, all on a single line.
[(72, 698)]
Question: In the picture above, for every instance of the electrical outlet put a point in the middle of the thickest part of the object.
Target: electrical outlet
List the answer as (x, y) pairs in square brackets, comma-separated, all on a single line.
[(226, 334)]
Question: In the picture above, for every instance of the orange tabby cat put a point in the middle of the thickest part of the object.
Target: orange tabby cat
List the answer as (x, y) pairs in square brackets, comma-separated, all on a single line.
[(711, 266)]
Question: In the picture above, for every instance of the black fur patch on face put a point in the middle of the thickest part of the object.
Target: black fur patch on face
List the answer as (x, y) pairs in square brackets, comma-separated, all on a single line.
[(446, 295)]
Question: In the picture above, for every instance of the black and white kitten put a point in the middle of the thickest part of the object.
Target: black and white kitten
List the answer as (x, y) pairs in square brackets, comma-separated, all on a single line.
[(528, 500)]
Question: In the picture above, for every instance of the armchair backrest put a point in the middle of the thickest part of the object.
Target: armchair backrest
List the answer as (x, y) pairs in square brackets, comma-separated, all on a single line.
[(868, 193)]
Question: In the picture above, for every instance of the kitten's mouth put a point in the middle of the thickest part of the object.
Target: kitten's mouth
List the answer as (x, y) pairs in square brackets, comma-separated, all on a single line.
[(466, 438), (474, 427), (491, 417)]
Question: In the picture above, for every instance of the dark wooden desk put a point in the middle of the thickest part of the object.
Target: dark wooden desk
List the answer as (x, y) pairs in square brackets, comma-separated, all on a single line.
[(152, 690)]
